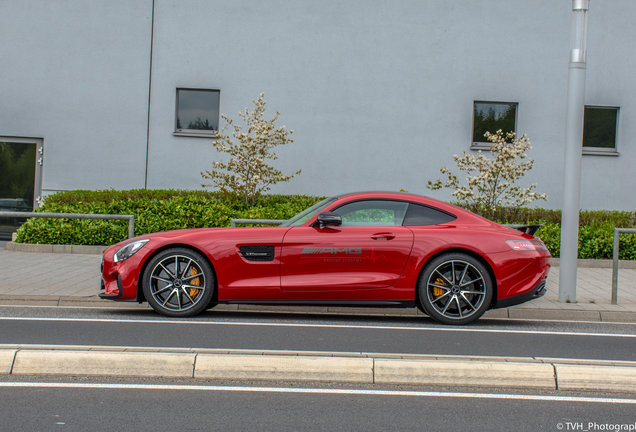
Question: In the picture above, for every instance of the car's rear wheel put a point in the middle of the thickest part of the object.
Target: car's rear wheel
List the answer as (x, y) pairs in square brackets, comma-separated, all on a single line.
[(455, 289), (178, 282)]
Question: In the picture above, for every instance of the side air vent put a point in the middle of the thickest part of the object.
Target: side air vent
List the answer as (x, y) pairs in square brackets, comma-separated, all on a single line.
[(257, 252)]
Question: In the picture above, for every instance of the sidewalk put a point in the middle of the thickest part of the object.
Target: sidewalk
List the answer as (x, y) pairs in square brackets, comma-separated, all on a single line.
[(64, 279)]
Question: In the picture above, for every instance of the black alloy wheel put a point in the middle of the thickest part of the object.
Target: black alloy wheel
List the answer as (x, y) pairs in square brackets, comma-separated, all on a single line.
[(455, 289), (178, 283)]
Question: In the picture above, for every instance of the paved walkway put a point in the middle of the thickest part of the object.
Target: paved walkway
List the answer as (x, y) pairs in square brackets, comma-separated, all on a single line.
[(60, 278)]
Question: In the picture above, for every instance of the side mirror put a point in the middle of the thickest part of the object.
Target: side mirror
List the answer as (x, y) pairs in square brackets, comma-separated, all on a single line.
[(329, 219)]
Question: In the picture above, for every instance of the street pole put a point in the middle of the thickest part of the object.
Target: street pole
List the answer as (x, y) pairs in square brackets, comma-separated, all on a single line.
[(572, 160)]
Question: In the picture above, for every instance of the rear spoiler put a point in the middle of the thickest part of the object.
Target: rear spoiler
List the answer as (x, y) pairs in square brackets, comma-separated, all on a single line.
[(527, 229)]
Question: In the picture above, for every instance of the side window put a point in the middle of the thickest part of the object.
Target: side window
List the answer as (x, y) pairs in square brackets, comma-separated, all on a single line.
[(373, 213), (419, 215)]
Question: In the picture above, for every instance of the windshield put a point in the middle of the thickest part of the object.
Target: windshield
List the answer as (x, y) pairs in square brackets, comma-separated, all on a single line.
[(305, 215)]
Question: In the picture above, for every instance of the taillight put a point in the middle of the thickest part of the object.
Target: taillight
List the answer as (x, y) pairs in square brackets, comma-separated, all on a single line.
[(526, 245)]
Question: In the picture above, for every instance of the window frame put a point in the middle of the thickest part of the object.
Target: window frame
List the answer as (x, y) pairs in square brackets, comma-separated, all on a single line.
[(601, 151), (39, 164), (485, 145), (201, 133)]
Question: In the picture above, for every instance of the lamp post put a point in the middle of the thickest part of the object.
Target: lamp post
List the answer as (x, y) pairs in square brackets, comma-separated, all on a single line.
[(572, 160)]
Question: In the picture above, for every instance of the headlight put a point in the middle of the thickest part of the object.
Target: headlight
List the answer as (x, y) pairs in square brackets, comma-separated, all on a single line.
[(129, 250)]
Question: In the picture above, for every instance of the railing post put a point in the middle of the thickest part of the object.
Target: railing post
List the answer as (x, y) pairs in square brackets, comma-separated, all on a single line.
[(131, 226), (615, 254), (615, 268)]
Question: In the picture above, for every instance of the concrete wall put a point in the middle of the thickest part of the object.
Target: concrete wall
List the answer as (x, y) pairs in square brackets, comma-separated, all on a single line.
[(379, 93), (76, 74)]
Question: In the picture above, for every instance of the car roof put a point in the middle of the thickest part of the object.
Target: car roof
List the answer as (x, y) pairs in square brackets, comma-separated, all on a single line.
[(411, 197), (401, 195), (398, 194)]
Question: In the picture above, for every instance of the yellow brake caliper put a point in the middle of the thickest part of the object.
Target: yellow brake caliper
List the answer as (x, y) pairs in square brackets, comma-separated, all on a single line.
[(438, 291), (196, 281)]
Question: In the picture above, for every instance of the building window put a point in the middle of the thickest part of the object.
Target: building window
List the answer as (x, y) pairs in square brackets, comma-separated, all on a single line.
[(197, 112), (21, 161), (599, 130), (490, 117)]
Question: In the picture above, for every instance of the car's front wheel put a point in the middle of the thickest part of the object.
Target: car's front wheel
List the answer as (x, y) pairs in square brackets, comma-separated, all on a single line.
[(178, 282), (455, 289)]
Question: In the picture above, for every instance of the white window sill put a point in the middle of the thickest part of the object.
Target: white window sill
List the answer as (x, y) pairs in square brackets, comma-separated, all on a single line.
[(596, 151), (207, 135), (480, 146)]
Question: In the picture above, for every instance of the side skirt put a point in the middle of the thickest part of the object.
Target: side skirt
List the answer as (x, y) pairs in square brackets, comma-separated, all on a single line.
[(343, 303)]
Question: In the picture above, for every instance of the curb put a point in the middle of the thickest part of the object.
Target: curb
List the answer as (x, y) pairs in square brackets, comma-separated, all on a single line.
[(518, 313), (597, 263), (361, 368), (55, 248)]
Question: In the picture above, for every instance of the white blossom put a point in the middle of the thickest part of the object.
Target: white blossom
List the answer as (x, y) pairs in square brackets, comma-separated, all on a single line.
[(490, 181), (246, 172)]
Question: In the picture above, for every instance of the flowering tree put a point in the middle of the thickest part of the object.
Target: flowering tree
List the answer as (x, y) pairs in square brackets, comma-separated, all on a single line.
[(246, 173), (491, 182)]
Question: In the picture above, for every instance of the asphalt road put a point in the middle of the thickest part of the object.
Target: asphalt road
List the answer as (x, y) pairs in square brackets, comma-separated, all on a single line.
[(117, 327), (157, 407)]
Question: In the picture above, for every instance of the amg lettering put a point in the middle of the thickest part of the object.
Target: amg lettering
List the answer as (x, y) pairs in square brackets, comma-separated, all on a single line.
[(333, 251)]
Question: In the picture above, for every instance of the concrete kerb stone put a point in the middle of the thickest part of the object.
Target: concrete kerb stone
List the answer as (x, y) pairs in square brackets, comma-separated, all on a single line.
[(34, 300), (276, 367), (596, 378), (465, 373), (501, 372), (6, 360), (554, 314), (622, 317), (50, 248), (597, 263), (94, 301), (104, 363), (29, 247)]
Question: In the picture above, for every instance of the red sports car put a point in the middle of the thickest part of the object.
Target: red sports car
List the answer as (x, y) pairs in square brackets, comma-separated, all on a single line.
[(372, 249)]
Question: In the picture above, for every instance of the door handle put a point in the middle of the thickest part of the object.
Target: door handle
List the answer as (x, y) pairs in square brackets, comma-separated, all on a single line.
[(383, 236)]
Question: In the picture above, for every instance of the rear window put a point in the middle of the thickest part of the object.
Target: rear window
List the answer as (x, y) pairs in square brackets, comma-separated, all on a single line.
[(419, 215)]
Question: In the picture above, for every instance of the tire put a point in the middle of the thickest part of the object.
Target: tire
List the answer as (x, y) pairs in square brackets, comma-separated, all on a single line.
[(187, 291), (455, 289)]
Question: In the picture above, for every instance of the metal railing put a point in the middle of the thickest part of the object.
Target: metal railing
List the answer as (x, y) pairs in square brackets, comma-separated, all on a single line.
[(129, 218), (617, 231), (233, 222)]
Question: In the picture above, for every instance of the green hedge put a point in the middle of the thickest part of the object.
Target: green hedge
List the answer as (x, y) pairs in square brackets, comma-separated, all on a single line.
[(154, 210), (596, 241), (596, 230), (160, 210)]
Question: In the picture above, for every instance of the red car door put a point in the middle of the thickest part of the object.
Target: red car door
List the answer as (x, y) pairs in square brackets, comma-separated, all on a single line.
[(356, 255)]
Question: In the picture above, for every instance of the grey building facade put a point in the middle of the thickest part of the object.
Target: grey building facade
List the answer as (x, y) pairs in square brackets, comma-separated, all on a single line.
[(380, 94)]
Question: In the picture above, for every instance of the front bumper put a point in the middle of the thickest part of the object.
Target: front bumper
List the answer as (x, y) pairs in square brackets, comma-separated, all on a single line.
[(120, 281), (102, 294)]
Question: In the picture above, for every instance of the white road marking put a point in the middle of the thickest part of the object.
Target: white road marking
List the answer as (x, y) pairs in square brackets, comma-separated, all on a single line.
[(327, 391), (306, 325), (335, 314)]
